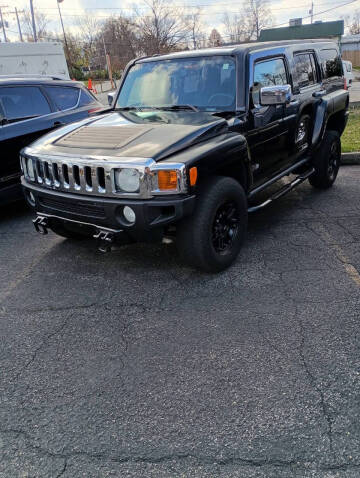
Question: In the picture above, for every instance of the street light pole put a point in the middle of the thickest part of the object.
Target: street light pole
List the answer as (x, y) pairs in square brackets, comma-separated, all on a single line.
[(33, 20)]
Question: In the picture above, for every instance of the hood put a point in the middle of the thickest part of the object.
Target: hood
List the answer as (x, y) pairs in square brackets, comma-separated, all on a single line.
[(146, 134)]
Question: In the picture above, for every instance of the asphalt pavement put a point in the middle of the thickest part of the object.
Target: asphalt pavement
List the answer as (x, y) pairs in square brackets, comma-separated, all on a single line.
[(133, 365)]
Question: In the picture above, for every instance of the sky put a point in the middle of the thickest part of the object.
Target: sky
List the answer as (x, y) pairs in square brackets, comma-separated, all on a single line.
[(211, 12)]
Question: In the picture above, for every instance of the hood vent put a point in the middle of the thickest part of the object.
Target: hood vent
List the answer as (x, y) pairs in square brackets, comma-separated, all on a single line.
[(104, 137)]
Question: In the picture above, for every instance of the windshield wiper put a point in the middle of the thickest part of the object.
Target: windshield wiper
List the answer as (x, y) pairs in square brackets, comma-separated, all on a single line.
[(137, 108), (180, 107)]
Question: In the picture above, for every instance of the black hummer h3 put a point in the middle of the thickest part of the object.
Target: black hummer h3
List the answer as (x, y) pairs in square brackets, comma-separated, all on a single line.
[(191, 140)]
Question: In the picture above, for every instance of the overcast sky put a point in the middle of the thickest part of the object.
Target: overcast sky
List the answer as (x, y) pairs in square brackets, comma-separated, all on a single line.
[(211, 13)]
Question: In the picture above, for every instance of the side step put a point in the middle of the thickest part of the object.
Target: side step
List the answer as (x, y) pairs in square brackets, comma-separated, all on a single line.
[(284, 190)]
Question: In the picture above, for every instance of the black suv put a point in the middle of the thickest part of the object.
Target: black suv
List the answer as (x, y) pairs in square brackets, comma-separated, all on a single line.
[(30, 107), (191, 141)]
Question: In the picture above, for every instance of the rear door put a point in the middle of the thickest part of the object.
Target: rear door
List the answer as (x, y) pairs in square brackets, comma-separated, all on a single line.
[(27, 115), (73, 103), (306, 80)]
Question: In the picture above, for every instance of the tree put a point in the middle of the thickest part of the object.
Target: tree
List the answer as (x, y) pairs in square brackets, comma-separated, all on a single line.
[(354, 27), (120, 35), (90, 29), (195, 29), (215, 38), (247, 25), (41, 23), (163, 29)]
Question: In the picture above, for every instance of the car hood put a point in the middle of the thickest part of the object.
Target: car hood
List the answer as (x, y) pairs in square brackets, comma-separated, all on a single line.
[(146, 134)]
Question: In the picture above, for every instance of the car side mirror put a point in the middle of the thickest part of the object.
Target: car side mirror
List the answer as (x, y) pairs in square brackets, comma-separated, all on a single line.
[(111, 97), (275, 95)]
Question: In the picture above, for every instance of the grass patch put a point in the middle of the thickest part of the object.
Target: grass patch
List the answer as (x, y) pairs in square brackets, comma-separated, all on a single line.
[(350, 140)]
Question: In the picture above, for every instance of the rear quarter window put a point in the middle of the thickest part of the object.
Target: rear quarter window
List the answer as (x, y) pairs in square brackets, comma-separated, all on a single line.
[(65, 98), (331, 63), (86, 98)]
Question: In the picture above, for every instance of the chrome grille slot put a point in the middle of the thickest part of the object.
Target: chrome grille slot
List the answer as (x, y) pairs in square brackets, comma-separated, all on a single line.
[(55, 173), (76, 176), (39, 171), (88, 178), (101, 180), (65, 172)]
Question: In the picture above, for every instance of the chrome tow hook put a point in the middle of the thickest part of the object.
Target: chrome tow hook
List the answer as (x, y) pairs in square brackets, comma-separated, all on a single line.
[(105, 240), (41, 225)]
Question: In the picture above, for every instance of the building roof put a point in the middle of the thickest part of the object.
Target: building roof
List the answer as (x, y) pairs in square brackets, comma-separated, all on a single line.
[(311, 30)]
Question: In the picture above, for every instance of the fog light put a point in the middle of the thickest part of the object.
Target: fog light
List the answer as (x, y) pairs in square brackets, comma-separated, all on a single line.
[(129, 214)]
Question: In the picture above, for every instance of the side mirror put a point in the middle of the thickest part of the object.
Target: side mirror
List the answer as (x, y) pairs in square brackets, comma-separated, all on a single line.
[(111, 97), (275, 95)]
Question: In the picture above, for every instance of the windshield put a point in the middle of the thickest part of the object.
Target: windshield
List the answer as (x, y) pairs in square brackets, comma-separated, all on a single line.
[(208, 83)]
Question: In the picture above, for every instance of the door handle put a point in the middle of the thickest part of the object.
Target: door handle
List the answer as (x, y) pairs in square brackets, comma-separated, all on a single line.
[(59, 123), (294, 103), (319, 94)]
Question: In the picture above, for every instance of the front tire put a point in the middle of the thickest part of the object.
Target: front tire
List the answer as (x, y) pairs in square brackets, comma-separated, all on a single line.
[(211, 238), (326, 161)]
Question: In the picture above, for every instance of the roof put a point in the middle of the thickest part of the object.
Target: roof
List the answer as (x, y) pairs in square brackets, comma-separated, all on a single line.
[(312, 30), (36, 80), (230, 49)]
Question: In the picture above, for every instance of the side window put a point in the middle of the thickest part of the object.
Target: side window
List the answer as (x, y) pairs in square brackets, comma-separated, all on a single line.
[(86, 98), (331, 63), (268, 73), (21, 102), (305, 71), (65, 97)]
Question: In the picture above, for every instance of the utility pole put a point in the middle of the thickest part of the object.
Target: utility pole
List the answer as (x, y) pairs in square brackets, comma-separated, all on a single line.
[(108, 64), (18, 23), (2, 21), (33, 20), (63, 29), (312, 11)]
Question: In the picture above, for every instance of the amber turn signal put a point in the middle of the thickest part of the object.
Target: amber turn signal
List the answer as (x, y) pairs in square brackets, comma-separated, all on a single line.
[(193, 175), (167, 179)]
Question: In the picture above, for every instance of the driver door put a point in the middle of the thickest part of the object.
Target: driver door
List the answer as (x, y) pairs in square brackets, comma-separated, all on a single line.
[(267, 132)]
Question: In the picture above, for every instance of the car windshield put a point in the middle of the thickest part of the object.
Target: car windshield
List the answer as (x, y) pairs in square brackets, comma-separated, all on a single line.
[(206, 83)]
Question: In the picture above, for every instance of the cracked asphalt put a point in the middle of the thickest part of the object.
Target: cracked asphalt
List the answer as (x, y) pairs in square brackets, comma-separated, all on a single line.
[(133, 365)]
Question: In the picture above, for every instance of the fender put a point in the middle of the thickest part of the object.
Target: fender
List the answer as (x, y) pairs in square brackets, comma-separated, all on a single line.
[(226, 154), (328, 106)]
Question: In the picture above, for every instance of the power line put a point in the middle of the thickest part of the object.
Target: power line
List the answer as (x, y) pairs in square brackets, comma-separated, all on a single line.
[(319, 13)]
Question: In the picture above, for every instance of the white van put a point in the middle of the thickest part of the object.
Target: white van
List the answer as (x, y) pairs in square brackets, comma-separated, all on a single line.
[(26, 59), (348, 74)]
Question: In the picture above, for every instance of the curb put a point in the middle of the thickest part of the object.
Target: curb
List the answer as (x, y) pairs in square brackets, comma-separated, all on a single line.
[(350, 158)]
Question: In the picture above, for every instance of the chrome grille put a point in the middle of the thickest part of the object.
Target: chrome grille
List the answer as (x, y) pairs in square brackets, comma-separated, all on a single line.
[(73, 177), (95, 175)]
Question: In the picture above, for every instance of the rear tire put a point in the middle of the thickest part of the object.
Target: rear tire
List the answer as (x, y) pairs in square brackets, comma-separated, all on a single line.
[(211, 238), (326, 161)]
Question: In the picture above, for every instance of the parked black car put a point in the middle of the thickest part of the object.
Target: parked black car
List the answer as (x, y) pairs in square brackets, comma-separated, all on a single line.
[(191, 141), (30, 107)]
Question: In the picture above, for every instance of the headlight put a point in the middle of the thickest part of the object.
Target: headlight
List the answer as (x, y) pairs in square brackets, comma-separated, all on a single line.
[(30, 169), (127, 180)]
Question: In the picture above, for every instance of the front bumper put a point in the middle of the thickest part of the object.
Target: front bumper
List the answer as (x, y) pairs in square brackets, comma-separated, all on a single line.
[(152, 215)]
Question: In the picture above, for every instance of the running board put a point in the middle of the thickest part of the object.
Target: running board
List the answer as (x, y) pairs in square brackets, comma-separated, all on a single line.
[(284, 190)]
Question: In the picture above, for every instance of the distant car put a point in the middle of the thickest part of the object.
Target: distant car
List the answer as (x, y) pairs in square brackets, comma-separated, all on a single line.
[(29, 108), (348, 73)]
